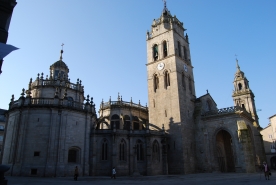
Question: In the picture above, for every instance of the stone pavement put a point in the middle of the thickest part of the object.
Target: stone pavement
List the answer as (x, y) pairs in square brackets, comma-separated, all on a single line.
[(190, 179)]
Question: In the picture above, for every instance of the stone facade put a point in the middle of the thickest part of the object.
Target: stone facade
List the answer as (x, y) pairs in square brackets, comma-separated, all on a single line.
[(201, 137), (269, 137), (50, 130)]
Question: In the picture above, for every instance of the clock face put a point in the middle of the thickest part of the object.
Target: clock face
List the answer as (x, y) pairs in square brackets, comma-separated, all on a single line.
[(185, 68), (160, 66)]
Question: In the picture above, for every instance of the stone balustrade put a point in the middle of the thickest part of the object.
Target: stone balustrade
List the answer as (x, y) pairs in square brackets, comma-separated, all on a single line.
[(58, 83), (51, 102), (227, 110), (122, 104)]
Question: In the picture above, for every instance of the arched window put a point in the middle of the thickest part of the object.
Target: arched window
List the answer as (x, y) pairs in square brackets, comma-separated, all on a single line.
[(183, 81), (167, 79), (165, 50), (70, 101), (136, 124), (73, 155), (115, 122), (240, 86), (126, 122), (122, 150), (179, 48), (155, 52), (185, 53), (140, 150), (155, 152), (156, 82), (104, 149), (190, 84)]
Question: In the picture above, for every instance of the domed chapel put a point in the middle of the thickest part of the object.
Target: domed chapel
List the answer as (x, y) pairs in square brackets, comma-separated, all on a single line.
[(53, 127)]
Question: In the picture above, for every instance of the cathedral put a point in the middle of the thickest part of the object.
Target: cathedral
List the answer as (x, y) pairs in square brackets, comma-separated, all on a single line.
[(53, 127)]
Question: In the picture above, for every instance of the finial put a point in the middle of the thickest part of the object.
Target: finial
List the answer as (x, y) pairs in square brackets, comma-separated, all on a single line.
[(146, 105), (41, 76), (29, 93), (30, 83), (61, 51), (46, 77), (207, 91), (91, 101), (118, 96), (109, 98), (187, 37), (139, 102), (165, 3), (12, 99), (238, 67), (80, 82), (23, 92), (121, 98), (130, 99)]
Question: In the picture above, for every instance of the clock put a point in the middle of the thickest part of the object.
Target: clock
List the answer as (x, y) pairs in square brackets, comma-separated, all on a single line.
[(185, 68), (160, 66)]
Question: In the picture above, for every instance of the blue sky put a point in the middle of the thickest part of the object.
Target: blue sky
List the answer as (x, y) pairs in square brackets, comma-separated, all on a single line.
[(105, 46)]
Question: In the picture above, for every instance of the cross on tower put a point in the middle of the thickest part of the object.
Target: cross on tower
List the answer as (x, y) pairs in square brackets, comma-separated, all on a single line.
[(165, 3), (62, 46)]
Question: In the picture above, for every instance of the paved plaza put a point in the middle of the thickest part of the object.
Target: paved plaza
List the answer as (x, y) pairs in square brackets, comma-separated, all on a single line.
[(191, 179)]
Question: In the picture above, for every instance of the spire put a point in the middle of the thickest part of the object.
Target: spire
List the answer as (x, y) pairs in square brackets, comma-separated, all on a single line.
[(61, 51), (165, 9), (238, 67)]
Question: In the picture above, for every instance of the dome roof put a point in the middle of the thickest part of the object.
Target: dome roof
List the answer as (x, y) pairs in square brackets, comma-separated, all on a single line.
[(59, 64)]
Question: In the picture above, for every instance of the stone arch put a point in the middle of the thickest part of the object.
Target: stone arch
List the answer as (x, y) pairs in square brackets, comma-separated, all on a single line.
[(135, 123), (224, 152), (165, 48), (155, 151), (115, 121), (155, 52), (102, 124), (127, 122), (166, 79), (155, 82), (123, 150), (104, 149)]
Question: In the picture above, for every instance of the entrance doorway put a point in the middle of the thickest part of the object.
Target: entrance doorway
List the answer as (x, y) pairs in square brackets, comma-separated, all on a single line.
[(225, 155)]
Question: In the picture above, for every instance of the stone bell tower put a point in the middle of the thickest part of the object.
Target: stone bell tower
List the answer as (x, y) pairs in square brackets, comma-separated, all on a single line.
[(243, 95), (171, 89)]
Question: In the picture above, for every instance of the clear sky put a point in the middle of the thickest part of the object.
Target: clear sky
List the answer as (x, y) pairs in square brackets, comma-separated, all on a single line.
[(105, 46)]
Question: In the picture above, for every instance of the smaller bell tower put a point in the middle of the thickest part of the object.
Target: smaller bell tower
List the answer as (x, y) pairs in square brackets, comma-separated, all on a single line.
[(243, 95)]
